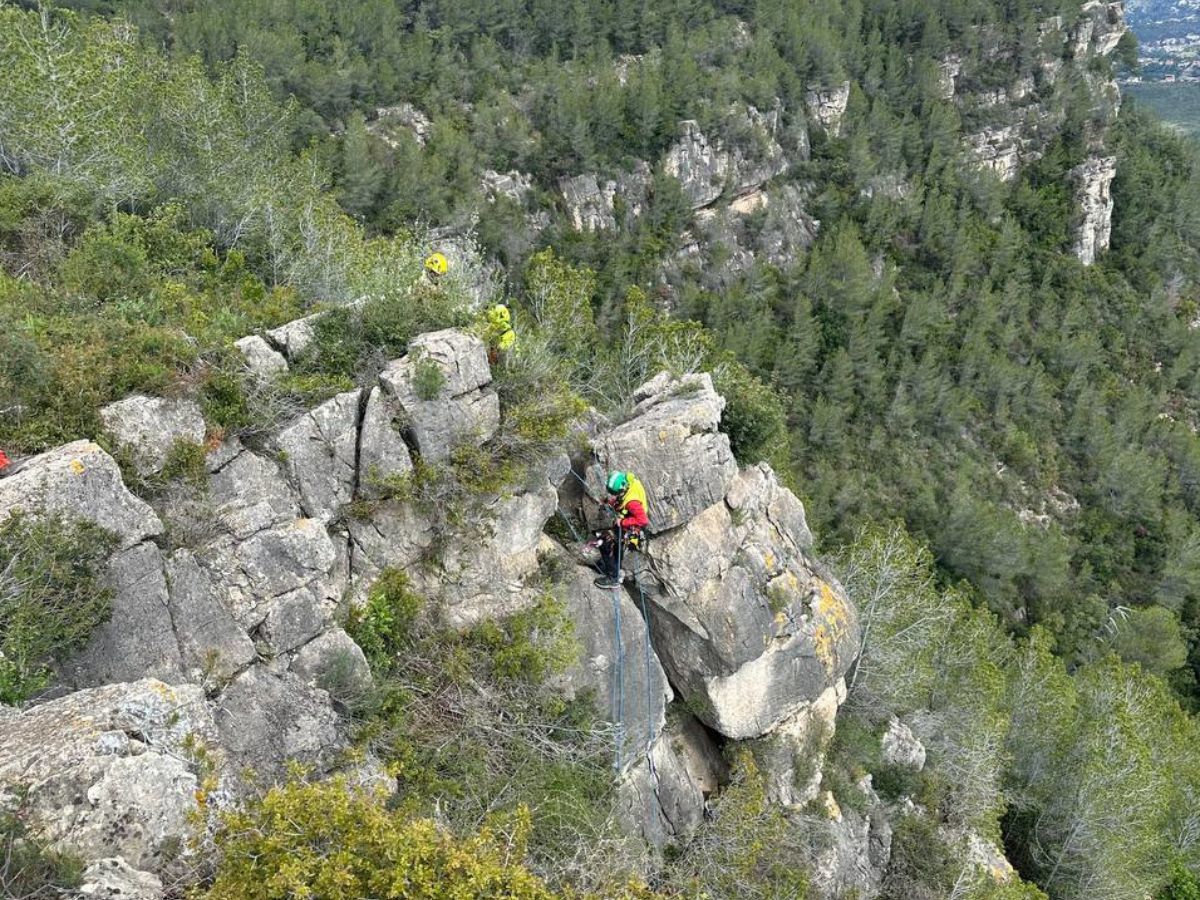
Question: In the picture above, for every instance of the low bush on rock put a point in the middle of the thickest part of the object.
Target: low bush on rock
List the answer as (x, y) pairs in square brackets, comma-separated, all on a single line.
[(51, 597), (28, 869)]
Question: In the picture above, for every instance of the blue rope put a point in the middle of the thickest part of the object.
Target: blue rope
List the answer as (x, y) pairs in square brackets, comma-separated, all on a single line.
[(620, 670)]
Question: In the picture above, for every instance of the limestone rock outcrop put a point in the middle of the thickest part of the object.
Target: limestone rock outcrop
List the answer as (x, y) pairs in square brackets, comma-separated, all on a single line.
[(148, 428), (852, 857), (1093, 180), (320, 453), (138, 640), (115, 879), (261, 359), (113, 770), (826, 106), (673, 442), (589, 202), (706, 168), (442, 386), (79, 481), (623, 674), (900, 747), (267, 718)]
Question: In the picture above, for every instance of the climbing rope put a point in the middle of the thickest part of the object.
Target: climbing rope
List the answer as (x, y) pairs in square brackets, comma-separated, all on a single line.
[(619, 673), (647, 643)]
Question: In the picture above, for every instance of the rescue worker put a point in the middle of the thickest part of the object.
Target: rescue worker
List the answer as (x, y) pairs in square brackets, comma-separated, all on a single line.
[(498, 333), (436, 265), (627, 500)]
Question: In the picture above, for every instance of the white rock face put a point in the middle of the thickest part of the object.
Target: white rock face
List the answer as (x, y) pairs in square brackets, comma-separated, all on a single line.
[(148, 427), (589, 202), (115, 879), (701, 167), (109, 771), (79, 481), (463, 408), (1100, 29), (706, 169), (262, 361), (998, 150), (673, 444), (826, 106), (1093, 180), (390, 120), (902, 748), (321, 455), (512, 185)]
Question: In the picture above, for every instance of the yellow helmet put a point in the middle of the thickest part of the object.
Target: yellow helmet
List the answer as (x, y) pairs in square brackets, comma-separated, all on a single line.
[(437, 264)]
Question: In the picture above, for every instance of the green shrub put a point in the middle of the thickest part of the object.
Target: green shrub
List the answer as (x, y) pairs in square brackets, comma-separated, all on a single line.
[(28, 869), (749, 849), (754, 417), (334, 841), (428, 379), (1184, 885), (383, 627), (51, 597)]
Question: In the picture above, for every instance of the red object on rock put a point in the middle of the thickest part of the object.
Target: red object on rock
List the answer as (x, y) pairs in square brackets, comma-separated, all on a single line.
[(3, 461)]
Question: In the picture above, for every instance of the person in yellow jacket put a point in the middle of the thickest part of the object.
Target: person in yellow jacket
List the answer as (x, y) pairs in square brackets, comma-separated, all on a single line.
[(436, 265), (498, 332), (627, 499)]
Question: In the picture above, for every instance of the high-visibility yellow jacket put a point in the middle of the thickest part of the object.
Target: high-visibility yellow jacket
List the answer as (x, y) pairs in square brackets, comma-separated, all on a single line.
[(632, 506), (498, 332)]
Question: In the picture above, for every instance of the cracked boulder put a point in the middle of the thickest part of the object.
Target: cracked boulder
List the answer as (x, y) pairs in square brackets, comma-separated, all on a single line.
[(320, 454), (79, 481), (672, 443), (747, 629), (211, 643), (138, 639), (250, 494), (271, 573), (148, 428), (113, 771), (442, 386), (267, 718), (382, 451)]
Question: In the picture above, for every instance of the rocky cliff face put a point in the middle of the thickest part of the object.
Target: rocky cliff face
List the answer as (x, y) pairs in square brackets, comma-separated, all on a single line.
[(216, 659), (1020, 118)]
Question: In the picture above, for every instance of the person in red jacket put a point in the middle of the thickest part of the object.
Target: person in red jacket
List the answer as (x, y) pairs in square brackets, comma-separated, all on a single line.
[(4, 462), (627, 500)]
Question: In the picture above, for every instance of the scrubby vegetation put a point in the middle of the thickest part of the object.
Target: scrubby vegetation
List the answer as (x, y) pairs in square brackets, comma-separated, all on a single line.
[(284, 846), (28, 869), (52, 594)]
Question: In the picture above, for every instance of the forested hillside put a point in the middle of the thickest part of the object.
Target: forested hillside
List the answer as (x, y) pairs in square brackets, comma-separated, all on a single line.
[(947, 280)]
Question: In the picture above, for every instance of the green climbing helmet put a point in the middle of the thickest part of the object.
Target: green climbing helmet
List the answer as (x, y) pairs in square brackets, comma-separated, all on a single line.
[(617, 482)]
